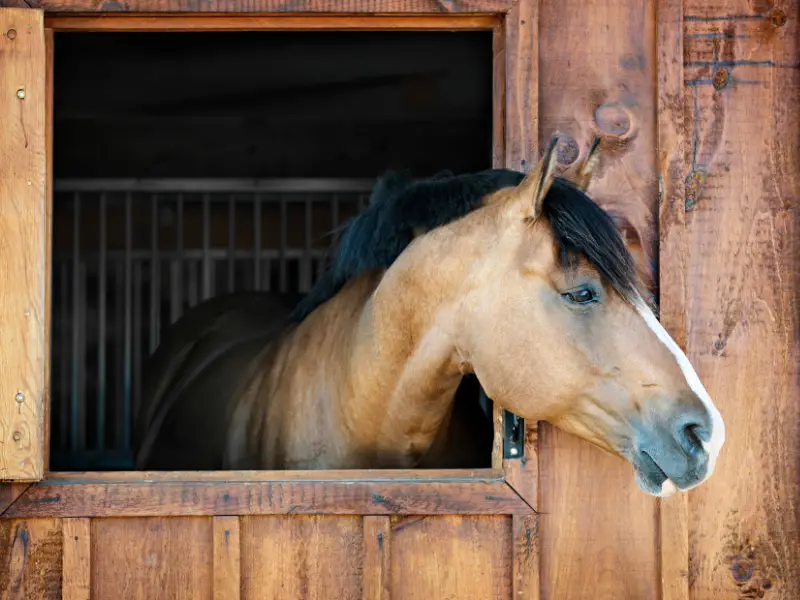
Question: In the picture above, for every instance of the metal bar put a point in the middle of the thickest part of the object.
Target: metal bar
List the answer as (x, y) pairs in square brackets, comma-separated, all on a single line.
[(177, 274), (232, 243), (282, 282), (76, 308), (81, 357), (102, 275), (257, 242), (214, 185), (126, 407), (215, 253), (65, 357), (207, 268), (119, 348), (307, 270), (155, 278), (192, 291), (137, 335)]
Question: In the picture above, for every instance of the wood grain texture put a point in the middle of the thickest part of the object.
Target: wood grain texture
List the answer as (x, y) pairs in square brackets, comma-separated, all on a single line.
[(377, 556), (464, 557), (523, 474), (76, 559), (227, 558), (310, 557), (437, 7), (22, 244), (184, 498), (9, 492), (224, 22), (597, 60), (527, 553), (522, 84), (30, 559), (672, 172), (152, 558), (49, 44), (741, 253)]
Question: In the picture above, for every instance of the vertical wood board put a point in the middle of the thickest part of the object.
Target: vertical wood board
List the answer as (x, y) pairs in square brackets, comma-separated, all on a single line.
[(161, 557), (469, 558), (302, 557), (22, 243)]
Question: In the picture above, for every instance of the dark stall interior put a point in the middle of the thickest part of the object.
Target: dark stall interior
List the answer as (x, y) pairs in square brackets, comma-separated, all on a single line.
[(193, 164)]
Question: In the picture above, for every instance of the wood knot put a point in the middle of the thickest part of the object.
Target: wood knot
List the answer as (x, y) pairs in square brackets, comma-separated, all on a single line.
[(742, 570), (567, 150), (11, 34), (777, 17), (721, 78), (613, 119)]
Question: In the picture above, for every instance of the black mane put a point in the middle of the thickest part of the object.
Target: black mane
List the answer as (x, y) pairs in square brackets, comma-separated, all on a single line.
[(399, 206)]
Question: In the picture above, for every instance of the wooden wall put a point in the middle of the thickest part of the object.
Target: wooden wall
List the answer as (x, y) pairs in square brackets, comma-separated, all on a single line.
[(318, 557), (698, 102)]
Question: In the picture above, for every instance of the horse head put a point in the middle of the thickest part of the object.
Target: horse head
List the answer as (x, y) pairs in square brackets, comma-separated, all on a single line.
[(556, 327)]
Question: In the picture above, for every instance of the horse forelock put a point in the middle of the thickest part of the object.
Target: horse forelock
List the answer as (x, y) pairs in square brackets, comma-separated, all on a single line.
[(581, 228)]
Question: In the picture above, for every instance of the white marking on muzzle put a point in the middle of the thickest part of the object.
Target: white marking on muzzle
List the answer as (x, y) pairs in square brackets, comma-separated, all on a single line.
[(714, 445)]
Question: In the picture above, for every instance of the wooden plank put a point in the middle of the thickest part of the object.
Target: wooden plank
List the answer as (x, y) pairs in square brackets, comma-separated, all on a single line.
[(377, 556), (185, 498), (118, 22), (522, 474), (499, 97), (76, 560), (527, 551), (9, 492), (152, 558), (672, 172), (48, 181), (598, 530), (277, 6), (306, 476), (30, 559), (522, 85), (227, 564), (310, 557), (464, 557), (741, 257), (22, 250)]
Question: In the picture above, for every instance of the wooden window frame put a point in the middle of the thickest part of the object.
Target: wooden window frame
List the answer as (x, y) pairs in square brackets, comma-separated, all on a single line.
[(510, 487)]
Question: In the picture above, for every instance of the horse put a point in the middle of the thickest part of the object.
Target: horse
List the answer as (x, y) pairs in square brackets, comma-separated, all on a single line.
[(533, 292), (186, 380)]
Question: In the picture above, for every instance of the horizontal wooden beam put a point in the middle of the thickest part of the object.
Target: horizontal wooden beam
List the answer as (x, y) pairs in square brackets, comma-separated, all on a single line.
[(180, 22), (119, 498), (413, 7)]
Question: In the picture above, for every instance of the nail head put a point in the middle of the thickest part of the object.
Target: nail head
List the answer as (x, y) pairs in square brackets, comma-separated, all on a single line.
[(21, 94), (613, 119), (20, 397)]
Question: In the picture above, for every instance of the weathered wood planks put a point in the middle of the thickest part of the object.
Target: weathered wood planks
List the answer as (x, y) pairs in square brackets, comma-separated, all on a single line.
[(23, 94)]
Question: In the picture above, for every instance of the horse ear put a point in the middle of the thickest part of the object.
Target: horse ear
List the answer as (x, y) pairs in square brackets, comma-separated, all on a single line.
[(584, 174), (536, 184)]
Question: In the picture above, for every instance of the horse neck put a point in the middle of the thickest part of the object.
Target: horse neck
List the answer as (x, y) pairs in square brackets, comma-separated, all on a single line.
[(404, 366)]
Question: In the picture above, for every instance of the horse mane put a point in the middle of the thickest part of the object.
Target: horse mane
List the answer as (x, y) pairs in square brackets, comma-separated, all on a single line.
[(400, 208)]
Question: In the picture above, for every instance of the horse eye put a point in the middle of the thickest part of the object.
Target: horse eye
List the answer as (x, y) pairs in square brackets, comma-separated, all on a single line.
[(581, 296)]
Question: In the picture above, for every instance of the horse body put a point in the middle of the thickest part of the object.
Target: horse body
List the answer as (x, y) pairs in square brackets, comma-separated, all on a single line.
[(527, 286)]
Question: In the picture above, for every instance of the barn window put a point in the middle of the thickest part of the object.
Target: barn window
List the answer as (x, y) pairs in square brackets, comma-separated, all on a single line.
[(187, 165)]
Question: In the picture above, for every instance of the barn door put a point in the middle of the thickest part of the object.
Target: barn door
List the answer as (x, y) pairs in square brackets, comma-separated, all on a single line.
[(23, 242)]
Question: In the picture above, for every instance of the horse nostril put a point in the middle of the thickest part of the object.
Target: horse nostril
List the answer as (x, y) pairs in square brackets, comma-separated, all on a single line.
[(691, 438)]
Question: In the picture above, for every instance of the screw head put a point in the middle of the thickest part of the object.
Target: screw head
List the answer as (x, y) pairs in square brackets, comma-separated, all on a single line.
[(20, 397), (514, 451), (21, 94)]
